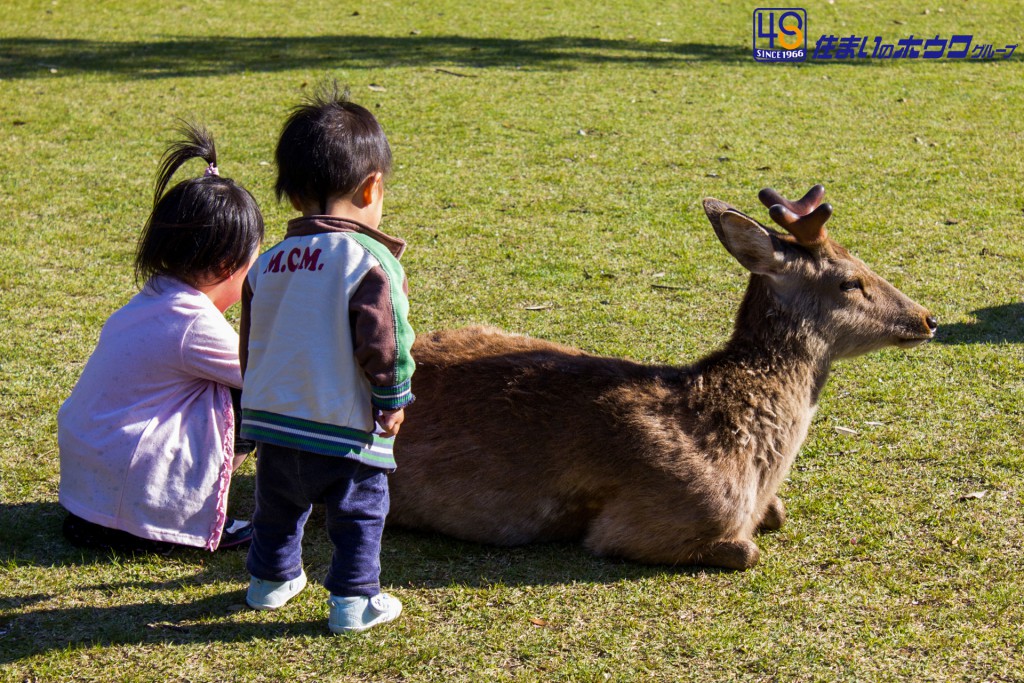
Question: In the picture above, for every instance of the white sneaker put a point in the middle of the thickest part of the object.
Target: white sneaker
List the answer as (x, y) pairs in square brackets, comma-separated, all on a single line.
[(273, 594), (351, 615)]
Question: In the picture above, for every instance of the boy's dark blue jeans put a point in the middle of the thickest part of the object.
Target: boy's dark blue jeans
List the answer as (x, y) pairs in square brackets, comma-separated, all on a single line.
[(288, 482)]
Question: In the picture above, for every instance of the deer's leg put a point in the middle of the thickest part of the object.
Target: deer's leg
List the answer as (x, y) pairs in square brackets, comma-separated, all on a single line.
[(736, 554), (630, 529), (774, 516), (733, 554)]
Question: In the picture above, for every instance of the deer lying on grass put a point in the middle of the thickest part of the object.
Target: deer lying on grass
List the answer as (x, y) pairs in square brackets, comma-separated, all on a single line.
[(515, 440)]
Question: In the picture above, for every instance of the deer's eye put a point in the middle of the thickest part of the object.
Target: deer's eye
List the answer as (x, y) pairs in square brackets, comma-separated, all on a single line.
[(851, 285)]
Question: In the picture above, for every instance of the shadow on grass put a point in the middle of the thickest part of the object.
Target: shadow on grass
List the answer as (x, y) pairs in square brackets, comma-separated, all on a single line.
[(993, 325), (218, 55), (37, 622), (37, 632), (425, 560)]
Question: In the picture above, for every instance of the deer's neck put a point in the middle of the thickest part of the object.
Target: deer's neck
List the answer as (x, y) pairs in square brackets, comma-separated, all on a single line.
[(777, 344), (757, 395)]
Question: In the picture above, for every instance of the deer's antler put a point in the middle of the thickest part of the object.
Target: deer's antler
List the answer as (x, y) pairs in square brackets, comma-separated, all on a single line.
[(804, 219)]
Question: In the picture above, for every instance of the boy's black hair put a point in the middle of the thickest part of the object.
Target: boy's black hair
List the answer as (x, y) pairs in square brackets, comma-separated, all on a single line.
[(327, 147), (203, 229)]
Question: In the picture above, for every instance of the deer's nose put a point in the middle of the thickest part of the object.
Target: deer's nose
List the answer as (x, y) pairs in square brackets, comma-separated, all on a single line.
[(932, 323)]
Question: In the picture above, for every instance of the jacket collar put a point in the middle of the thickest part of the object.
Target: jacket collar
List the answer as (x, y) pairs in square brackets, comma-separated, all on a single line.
[(315, 225)]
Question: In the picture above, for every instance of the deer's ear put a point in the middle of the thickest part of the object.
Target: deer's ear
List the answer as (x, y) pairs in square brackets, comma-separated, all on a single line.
[(749, 243)]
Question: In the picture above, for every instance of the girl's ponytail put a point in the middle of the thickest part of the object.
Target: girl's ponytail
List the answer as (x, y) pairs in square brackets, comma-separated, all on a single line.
[(196, 143)]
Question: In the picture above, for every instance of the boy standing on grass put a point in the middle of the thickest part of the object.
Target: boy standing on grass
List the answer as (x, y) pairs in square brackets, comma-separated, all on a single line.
[(325, 352)]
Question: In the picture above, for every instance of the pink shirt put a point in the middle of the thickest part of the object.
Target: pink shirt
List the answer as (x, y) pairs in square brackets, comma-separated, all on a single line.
[(147, 436)]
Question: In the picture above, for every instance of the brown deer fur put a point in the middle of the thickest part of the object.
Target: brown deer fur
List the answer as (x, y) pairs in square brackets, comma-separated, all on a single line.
[(514, 440)]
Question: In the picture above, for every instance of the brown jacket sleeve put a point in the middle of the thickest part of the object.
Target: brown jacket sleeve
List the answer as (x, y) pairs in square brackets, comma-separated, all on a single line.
[(380, 340), (243, 326)]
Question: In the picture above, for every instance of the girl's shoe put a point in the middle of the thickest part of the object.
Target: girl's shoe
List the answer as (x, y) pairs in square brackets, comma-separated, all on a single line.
[(236, 533), (358, 613), (270, 595)]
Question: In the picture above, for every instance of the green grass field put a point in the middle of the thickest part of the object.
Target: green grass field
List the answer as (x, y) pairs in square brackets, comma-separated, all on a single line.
[(550, 162)]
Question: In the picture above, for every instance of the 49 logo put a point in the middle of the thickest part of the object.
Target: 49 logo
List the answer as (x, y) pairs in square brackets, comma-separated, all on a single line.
[(780, 34)]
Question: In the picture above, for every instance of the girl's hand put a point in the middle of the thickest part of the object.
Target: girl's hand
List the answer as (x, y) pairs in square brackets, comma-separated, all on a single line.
[(390, 421)]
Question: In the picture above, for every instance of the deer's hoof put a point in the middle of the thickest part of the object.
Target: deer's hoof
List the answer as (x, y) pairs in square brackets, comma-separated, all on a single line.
[(774, 516)]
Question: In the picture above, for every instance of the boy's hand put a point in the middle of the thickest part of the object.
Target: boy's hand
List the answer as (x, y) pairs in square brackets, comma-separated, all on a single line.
[(391, 421)]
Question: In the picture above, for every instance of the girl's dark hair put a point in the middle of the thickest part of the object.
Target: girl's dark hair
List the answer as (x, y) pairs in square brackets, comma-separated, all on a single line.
[(203, 229), (327, 147)]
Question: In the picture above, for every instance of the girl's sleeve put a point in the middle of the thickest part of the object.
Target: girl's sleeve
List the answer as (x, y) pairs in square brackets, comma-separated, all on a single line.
[(209, 350)]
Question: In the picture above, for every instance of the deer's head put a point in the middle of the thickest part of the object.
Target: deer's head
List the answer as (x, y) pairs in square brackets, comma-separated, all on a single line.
[(812, 280)]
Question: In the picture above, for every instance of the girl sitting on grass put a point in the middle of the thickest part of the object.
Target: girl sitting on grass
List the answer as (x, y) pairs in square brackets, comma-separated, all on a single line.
[(147, 438)]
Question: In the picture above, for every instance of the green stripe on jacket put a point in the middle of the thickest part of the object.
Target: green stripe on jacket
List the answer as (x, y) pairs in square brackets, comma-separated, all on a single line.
[(404, 335), (317, 437)]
